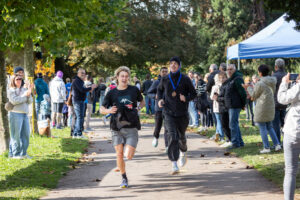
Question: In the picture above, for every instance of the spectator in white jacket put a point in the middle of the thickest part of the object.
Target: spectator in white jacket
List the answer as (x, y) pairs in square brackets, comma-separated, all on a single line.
[(215, 91), (291, 129), (58, 97)]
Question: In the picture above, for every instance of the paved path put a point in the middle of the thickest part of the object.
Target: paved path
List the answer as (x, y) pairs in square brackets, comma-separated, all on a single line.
[(212, 177)]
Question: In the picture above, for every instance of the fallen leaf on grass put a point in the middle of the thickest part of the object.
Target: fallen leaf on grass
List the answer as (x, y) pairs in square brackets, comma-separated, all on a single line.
[(249, 167), (48, 172), (233, 163)]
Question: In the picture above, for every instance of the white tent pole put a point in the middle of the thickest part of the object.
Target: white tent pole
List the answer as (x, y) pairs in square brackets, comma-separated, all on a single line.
[(227, 62), (239, 61)]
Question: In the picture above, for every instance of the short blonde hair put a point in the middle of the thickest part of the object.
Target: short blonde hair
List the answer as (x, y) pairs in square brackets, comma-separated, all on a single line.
[(121, 69)]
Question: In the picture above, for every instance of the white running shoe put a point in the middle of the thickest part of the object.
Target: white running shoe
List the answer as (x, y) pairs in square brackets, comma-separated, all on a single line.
[(175, 169), (27, 157), (278, 147), (17, 157), (265, 151), (227, 144), (154, 142), (104, 120), (81, 137), (182, 159)]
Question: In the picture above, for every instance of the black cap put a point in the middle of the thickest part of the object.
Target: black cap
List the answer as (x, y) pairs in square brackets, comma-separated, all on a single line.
[(176, 59), (17, 69)]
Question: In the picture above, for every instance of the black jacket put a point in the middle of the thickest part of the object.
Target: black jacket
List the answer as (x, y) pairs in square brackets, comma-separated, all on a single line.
[(235, 94), (221, 97), (146, 85), (211, 81), (201, 99), (78, 90), (173, 105), (279, 74), (152, 91)]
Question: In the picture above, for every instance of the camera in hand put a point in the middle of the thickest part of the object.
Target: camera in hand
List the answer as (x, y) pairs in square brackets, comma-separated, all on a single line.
[(293, 77)]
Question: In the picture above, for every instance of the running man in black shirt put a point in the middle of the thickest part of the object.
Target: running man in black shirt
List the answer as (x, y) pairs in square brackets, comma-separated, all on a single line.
[(174, 93), (121, 102)]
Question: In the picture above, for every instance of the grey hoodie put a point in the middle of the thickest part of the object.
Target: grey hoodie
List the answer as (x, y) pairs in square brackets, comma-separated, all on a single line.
[(263, 94), (291, 96), (21, 102)]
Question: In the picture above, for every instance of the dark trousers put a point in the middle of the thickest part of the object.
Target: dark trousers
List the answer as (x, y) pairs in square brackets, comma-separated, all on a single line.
[(210, 118), (176, 127), (65, 115), (278, 122), (249, 110), (159, 118), (225, 124)]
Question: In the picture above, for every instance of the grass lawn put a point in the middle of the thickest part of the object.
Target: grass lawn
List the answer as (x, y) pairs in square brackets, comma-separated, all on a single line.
[(32, 178), (270, 165)]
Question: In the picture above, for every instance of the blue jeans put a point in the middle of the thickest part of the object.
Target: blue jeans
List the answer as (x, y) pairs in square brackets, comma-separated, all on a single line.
[(219, 125), (150, 101), (236, 136), (19, 134), (264, 128), (194, 119), (79, 112), (278, 122)]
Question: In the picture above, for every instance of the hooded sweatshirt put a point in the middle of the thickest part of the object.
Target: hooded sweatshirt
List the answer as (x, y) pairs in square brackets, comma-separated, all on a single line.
[(57, 90), (41, 88), (216, 89), (263, 94)]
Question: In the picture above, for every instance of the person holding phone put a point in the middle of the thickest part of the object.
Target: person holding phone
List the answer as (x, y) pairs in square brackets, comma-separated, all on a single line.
[(291, 129), (20, 97)]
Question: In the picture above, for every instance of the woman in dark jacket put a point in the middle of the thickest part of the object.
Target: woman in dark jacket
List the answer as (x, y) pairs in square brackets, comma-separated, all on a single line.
[(222, 108), (201, 101)]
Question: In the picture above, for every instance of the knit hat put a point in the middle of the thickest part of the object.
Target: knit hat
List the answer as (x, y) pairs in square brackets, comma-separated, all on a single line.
[(176, 59), (17, 69), (59, 74)]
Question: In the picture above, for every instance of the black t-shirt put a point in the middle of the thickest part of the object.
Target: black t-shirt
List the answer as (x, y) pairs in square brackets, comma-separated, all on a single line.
[(126, 102)]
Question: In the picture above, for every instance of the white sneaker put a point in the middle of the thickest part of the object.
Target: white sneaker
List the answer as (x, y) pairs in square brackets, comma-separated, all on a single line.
[(17, 157), (27, 157), (182, 159), (154, 142), (227, 144), (265, 151), (175, 169), (82, 137), (213, 137), (278, 147), (104, 120)]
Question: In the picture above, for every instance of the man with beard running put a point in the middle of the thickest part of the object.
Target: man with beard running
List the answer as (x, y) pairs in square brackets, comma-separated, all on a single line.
[(174, 93)]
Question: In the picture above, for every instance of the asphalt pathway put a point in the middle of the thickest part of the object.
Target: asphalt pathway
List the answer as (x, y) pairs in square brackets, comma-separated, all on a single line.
[(208, 174)]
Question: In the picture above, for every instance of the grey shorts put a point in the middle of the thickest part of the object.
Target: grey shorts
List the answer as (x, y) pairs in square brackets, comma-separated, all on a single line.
[(57, 107), (126, 136)]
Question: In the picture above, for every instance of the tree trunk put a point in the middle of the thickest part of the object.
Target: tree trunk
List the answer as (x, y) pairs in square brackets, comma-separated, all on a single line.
[(29, 67), (4, 129)]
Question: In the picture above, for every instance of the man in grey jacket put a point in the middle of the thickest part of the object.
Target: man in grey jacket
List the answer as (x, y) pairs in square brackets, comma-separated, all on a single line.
[(280, 109)]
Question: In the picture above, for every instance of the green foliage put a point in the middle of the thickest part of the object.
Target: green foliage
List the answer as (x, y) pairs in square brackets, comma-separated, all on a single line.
[(32, 178), (291, 7), (56, 23), (154, 32)]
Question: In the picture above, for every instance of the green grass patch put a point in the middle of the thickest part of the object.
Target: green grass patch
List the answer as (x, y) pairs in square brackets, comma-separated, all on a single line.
[(32, 178), (271, 166)]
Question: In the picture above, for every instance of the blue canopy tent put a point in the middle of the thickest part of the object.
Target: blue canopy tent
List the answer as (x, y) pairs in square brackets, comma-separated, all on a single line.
[(279, 39)]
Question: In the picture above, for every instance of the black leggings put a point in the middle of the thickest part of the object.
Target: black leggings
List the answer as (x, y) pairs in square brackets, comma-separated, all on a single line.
[(159, 118), (225, 124)]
